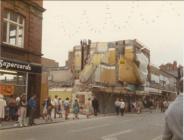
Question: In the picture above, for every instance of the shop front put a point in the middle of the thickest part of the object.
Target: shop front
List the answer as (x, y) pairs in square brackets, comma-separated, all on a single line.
[(18, 78)]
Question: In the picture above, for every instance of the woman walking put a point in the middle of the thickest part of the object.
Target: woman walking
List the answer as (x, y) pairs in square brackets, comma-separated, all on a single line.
[(49, 109), (66, 108), (23, 110), (76, 109)]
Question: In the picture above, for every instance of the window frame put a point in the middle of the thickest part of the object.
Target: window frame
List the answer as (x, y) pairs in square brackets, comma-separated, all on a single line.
[(8, 21)]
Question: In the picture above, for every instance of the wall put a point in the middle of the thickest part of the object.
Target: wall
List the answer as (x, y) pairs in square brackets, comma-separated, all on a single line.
[(33, 32)]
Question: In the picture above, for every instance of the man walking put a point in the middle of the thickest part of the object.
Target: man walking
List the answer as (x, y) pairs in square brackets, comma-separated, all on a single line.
[(55, 106), (122, 107), (95, 105), (117, 106), (32, 105)]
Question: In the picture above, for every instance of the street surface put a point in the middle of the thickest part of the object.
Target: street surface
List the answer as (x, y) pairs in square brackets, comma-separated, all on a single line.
[(146, 126)]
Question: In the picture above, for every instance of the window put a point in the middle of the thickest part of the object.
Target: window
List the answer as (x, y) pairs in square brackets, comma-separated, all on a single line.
[(13, 29)]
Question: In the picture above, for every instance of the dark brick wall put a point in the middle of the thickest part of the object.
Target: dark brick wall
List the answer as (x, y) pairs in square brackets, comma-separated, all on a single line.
[(31, 52), (33, 32)]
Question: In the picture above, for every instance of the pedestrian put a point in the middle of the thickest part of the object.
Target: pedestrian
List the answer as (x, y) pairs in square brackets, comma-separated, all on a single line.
[(117, 106), (134, 106), (166, 104), (60, 104), (67, 108), (95, 105), (139, 106), (55, 101), (44, 113), (76, 109), (122, 107), (88, 108), (23, 110), (12, 108), (150, 105), (174, 118), (18, 99), (49, 107), (2, 108), (32, 106)]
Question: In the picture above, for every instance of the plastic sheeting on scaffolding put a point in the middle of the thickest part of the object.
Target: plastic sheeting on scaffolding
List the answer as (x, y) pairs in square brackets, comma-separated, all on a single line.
[(96, 58), (87, 72), (109, 57), (99, 47), (129, 53), (105, 74), (142, 68), (127, 71), (133, 66)]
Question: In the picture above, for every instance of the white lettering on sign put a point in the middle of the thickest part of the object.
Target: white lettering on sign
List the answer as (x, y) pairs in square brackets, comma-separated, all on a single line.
[(14, 65)]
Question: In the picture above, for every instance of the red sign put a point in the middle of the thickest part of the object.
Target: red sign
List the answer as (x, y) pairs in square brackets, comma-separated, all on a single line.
[(6, 90)]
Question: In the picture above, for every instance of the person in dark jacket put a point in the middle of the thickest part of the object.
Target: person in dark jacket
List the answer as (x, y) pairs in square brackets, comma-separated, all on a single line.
[(32, 106), (95, 105)]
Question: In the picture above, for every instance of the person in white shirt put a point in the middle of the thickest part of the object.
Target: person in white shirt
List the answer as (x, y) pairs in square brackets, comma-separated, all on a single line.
[(2, 108), (56, 104), (122, 107), (117, 106), (173, 129)]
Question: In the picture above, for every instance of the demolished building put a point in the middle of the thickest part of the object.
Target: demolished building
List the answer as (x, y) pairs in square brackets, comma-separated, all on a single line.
[(116, 69)]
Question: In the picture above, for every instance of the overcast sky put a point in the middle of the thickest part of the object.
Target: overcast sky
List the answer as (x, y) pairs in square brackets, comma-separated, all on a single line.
[(158, 25)]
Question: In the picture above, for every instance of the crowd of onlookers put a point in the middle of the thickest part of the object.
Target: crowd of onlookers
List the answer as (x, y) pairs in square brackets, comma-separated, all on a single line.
[(23, 111), (137, 105), (15, 109), (61, 108)]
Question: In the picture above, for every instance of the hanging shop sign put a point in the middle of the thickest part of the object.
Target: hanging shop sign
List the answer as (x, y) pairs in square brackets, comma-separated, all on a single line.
[(19, 66)]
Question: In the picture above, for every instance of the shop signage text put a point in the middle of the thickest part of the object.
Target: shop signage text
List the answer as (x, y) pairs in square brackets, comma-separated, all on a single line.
[(19, 66), (9, 65)]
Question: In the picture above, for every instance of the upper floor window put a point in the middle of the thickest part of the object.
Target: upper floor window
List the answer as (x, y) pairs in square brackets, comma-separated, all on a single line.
[(13, 29)]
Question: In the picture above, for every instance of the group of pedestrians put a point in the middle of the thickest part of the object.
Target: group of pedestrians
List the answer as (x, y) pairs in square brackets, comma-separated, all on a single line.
[(57, 106), (137, 105), (16, 109), (119, 106)]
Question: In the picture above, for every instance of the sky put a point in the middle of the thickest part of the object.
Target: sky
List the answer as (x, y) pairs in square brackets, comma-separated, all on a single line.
[(159, 25)]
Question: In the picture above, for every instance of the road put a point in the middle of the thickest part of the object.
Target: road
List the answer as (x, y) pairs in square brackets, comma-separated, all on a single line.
[(147, 126)]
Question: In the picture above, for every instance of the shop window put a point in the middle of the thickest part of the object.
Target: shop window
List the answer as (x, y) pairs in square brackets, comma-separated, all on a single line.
[(12, 83), (13, 29)]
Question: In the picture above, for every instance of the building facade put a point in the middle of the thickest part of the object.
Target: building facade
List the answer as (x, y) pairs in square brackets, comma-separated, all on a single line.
[(162, 83), (20, 47)]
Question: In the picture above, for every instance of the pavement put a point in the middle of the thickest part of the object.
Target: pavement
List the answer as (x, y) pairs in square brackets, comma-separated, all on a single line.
[(38, 121), (145, 126)]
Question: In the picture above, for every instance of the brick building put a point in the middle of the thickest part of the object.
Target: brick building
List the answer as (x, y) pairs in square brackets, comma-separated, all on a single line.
[(49, 63), (20, 47)]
